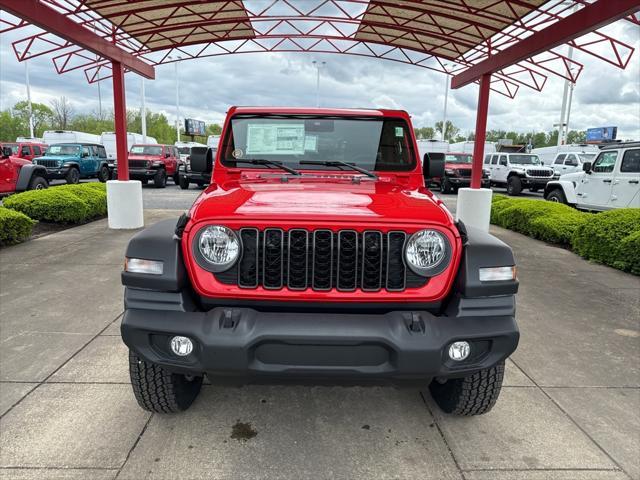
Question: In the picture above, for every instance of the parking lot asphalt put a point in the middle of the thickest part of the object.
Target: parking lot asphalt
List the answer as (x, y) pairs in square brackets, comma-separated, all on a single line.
[(570, 408)]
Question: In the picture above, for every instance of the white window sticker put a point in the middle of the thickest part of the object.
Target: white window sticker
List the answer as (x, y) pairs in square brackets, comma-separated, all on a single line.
[(399, 132), (311, 143), (275, 139)]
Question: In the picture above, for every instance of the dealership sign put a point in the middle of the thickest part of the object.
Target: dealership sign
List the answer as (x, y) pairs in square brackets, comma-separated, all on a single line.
[(194, 127), (601, 134)]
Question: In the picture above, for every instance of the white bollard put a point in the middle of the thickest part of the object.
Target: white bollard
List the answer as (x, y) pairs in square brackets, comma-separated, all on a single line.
[(474, 207), (124, 204)]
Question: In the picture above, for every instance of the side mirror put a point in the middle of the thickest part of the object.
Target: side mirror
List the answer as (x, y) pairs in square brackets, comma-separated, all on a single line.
[(6, 152), (586, 167), (433, 165)]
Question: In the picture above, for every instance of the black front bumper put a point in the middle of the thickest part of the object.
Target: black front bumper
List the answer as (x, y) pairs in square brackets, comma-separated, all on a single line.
[(137, 173), (466, 181), (249, 345), (57, 173), (535, 182)]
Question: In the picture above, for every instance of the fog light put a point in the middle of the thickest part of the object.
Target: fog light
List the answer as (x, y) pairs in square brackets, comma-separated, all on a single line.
[(181, 346), (459, 351)]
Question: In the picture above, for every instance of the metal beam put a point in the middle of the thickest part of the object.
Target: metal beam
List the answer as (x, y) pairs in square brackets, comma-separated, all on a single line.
[(52, 21), (590, 18), (120, 114), (481, 131)]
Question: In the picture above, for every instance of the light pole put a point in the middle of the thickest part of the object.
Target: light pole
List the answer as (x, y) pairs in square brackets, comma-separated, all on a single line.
[(444, 114), (26, 74), (318, 66), (176, 59)]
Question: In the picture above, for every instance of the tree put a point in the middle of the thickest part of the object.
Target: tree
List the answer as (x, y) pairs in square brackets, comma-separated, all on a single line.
[(42, 115), (451, 131), (577, 136), (62, 113), (424, 133), (11, 126), (214, 129)]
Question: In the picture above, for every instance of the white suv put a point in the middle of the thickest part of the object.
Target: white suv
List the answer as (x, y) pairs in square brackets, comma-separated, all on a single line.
[(612, 181), (516, 171), (569, 162)]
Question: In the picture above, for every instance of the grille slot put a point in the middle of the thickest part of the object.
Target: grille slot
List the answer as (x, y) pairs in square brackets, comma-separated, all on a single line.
[(322, 260), (464, 172), (273, 258)]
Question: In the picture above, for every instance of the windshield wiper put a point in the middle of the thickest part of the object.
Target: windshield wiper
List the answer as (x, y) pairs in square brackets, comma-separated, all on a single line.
[(338, 163), (262, 161)]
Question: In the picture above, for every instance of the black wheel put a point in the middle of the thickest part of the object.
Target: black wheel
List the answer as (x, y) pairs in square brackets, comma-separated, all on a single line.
[(557, 196), (472, 395), (184, 183), (445, 186), (514, 185), (160, 178), (38, 183), (103, 174), (73, 176), (158, 390), (176, 178)]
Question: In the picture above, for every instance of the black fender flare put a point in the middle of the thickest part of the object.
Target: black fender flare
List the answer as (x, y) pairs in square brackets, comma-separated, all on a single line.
[(26, 174)]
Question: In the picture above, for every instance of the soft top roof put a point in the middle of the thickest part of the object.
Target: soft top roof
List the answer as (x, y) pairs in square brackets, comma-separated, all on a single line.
[(359, 112)]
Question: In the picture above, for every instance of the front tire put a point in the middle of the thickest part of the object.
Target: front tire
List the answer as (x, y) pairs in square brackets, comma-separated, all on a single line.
[(445, 186), (184, 183), (103, 174), (514, 186), (73, 176), (557, 196), (472, 395), (160, 179), (160, 391), (38, 183)]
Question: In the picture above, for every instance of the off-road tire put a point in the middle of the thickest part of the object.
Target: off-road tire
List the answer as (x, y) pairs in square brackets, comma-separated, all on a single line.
[(73, 176), (472, 395), (557, 196), (38, 183), (160, 178), (184, 183), (445, 186), (160, 391), (176, 178), (514, 185), (103, 174)]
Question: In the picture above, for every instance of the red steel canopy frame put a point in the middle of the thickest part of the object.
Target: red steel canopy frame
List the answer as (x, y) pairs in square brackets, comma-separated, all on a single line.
[(451, 36)]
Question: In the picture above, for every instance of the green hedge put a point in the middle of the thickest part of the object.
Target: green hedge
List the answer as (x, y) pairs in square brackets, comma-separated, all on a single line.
[(63, 204), (14, 226), (612, 238)]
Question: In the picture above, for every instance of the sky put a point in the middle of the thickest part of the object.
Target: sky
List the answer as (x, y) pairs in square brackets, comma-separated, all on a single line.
[(604, 95)]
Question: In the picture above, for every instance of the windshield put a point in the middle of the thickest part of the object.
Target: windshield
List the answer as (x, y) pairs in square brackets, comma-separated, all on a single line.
[(458, 158), (525, 159), (293, 140), (64, 150), (12, 146), (146, 150), (586, 157)]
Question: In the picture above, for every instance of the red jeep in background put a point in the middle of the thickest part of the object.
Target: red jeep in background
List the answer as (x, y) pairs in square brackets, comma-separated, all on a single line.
[(19, 174), (457, 172), (317, 255), (152, 162), (25, 150)]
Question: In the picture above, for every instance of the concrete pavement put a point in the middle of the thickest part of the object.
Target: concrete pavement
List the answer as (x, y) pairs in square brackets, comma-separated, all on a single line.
[(570, 408)]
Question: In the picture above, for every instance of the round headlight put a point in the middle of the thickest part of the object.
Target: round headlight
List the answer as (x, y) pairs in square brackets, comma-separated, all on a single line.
[(427, 253), (219, 246)]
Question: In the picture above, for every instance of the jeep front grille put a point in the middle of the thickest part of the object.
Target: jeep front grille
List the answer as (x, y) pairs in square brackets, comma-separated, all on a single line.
[(139, 163), (322, 260), (464, 172), (47, 163), (540, 173)]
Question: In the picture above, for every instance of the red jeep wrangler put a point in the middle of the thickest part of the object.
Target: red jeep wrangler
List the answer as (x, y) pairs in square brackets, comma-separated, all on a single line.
[(28, 151), (152, 162), (18, 174), (317, 255), (457, 172)]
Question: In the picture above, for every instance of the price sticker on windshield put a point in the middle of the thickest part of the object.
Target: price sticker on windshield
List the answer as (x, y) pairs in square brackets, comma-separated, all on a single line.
[(399, 132)]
